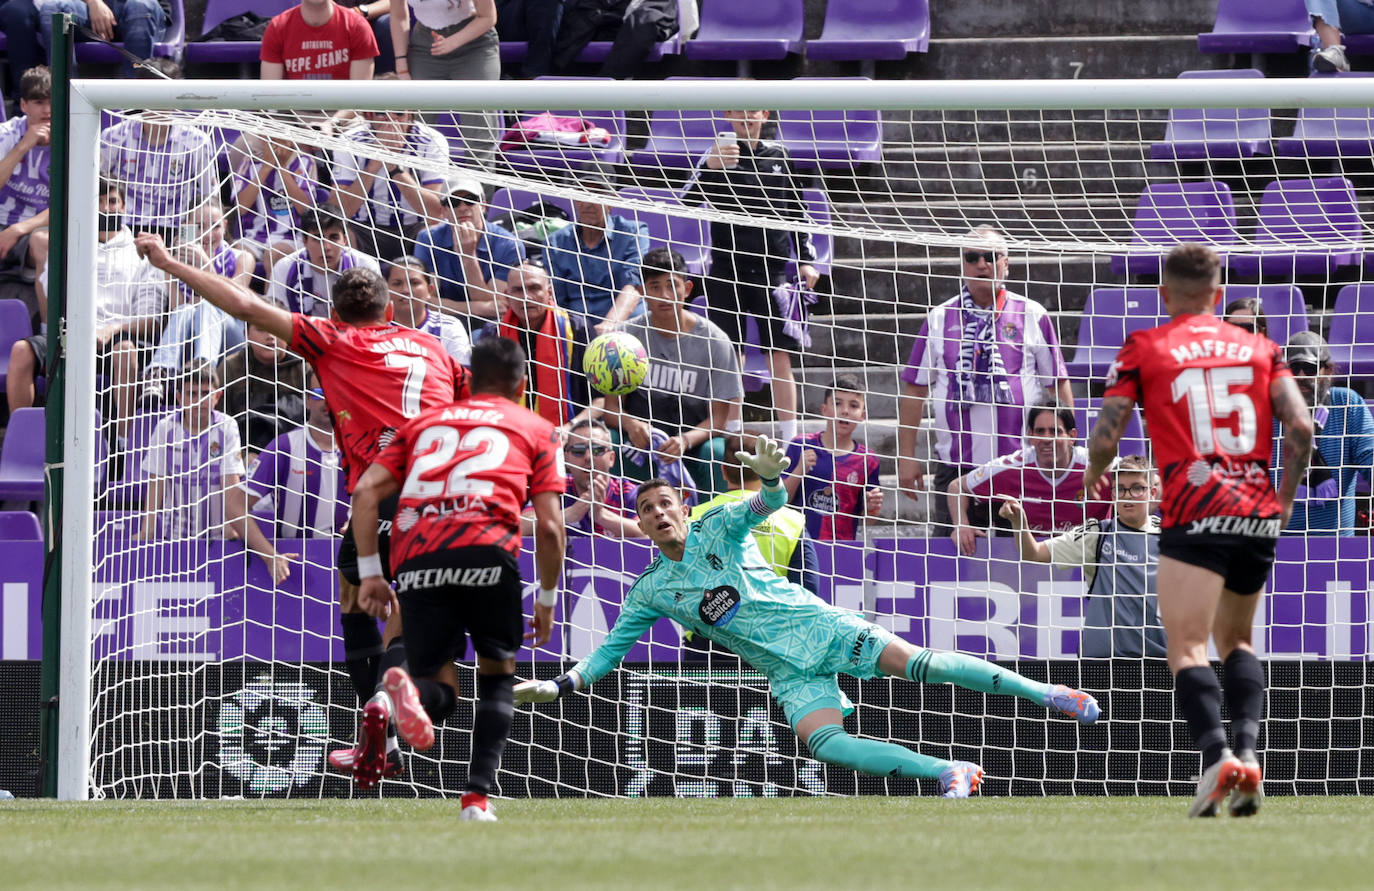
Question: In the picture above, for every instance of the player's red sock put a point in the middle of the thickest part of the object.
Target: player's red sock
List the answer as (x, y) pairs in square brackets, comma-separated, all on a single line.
[(471, 798)]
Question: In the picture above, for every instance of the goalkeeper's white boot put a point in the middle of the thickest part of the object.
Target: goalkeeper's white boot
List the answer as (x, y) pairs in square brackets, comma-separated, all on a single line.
[(1249, 792), (1074, 703), (476, 807), (1215, 784), (960, 780), (412, 721)]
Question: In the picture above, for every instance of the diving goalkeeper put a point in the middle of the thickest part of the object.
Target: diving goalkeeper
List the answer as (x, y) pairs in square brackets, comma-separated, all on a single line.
[(711, 578)]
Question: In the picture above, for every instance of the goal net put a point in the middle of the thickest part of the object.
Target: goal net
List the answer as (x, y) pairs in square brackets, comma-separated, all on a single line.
[(859, 229)]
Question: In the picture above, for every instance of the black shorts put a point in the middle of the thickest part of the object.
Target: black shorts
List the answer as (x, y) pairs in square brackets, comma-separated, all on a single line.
[(1243, 561), (734, 294), (347, 560), (449, 596)]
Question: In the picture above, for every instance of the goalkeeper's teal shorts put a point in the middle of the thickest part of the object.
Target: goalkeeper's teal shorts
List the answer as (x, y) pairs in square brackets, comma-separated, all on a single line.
[(854, 650)]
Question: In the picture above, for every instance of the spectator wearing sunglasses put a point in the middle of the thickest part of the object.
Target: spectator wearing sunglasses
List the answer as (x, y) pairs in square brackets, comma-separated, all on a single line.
[(982, 358), (1247, 313), (1343, 447), (471, 256), (596, 502)]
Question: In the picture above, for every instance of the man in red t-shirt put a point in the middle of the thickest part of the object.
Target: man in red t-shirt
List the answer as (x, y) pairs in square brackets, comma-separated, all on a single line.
[(1210, 391), (463, 473), (376, 376), (318, 40)]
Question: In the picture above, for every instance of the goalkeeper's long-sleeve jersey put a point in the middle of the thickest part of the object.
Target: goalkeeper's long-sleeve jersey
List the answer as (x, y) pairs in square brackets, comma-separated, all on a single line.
[(724, 590)]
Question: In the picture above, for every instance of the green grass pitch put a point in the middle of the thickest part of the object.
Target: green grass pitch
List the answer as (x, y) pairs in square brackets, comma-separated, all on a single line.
[(835, 843)]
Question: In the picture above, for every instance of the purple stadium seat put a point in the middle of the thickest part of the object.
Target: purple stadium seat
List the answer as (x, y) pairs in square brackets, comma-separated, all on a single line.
[(1352, 330), (685, 233), (1196, 133), (170, 47), (230, 51), (1258, 26), (1320, 214), (831, 138), (1285, 308), (733, 31), (1171, 213), (518, 200), (596, 51), (19, 525), (1109, 315), (872, 29), (1133, 440), (21, 456), (15, 325), (678, 139), (1331, 132), (543, 157)]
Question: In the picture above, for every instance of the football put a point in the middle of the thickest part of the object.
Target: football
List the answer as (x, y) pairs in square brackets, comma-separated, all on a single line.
[(616, 363)]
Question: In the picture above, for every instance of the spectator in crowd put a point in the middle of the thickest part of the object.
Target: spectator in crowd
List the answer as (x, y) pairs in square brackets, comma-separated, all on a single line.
[(471, 256), (1047, 475), (275, 182), (264, 387), (197, 329), (781, 536), (318, 40), (1247, 313), (390, 203), (1344, 444), (24, 159), (555, 389), (632, 26), (165, 168), (693, 394), (981, 358), (377, 14), (138, 24), (595, 263), (834, 477), (1332, 20), (751, 175), (19, 22), (128, 302), (415, 304), (596, 500), (1118, 557), (294, 489), (192, 460), (302, 281), (532, 22), (451, 40)]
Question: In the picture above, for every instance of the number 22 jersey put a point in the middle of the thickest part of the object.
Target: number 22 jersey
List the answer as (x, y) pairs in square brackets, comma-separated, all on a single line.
[(1204, 386), (466, 471)]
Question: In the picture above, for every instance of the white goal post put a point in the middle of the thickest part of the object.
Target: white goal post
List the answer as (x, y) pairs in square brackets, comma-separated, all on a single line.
[(953, 154)]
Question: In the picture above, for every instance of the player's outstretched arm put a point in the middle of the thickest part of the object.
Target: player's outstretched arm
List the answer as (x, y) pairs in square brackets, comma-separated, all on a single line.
[(1291, 410), (549, 547), (634, 623), (225, 293), (1102, 442)]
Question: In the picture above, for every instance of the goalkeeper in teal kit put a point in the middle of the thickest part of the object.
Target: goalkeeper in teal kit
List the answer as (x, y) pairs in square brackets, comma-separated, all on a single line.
[(710, 577)]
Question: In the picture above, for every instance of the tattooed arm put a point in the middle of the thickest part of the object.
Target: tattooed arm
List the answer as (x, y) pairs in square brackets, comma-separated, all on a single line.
[(1291, 410), (1111, 424)]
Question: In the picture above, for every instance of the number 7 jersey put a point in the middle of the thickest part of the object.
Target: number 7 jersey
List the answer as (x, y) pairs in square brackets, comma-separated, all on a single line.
[(1204, 386), (466, 471)]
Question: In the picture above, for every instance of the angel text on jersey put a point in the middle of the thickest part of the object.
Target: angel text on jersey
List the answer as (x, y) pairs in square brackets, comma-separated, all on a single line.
[(480, 415), (1208, 348)]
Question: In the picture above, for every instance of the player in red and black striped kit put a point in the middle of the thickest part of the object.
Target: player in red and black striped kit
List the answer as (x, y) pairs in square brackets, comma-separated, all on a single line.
[(464, 472), (1210, 391), (376, 376)]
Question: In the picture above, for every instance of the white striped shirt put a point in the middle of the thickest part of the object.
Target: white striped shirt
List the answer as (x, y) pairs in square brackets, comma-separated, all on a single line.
[(451, 333), (298, 487), (161, 182), (387, 206), (25, 193), (300, 286), (194, 468)]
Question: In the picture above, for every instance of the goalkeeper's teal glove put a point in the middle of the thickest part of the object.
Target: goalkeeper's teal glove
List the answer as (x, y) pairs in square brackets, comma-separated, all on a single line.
[(545, 691), (768, 461)]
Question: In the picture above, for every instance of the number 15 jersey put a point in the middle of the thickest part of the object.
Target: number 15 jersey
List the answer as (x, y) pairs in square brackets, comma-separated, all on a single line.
[(1204, 386), (466, 471)]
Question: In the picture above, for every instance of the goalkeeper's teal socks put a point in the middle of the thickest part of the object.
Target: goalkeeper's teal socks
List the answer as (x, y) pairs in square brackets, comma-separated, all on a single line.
[(931, 667), (833, 746)]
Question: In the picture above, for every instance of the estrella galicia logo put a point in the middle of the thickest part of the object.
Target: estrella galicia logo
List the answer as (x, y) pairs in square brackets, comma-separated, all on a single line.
[(715, 562), (719, 605)]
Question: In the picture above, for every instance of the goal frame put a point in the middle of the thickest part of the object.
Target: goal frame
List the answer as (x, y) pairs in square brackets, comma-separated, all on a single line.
[(89, 97)]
